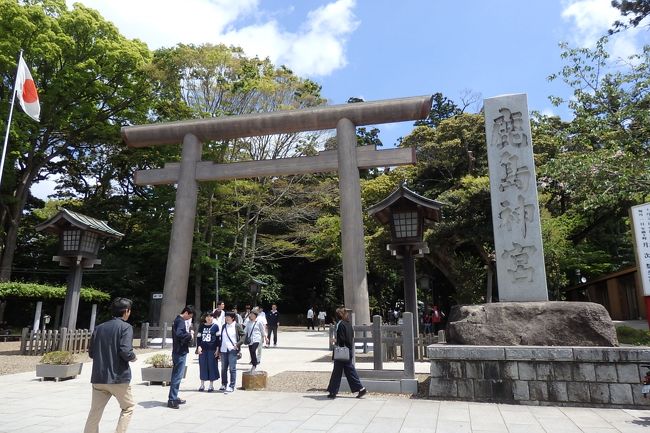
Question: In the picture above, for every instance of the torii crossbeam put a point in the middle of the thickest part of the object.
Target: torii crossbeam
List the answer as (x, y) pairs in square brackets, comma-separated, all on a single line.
[(347, 160)]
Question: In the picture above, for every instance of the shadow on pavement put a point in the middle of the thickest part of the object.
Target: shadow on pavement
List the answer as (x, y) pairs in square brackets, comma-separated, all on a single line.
[(644, 421), (150, 404)]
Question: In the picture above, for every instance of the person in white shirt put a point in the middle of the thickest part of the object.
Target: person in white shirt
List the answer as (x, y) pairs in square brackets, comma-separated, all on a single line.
[(220, 317), (310, 318), (321, 319), (232, 338), (261, 317), (255, 335)]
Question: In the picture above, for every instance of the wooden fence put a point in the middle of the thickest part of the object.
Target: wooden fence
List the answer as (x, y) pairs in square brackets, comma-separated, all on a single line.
[(391, 338), (41, 341)]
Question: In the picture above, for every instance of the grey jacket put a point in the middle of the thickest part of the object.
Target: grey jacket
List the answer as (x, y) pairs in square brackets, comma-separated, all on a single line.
[(111, 348)]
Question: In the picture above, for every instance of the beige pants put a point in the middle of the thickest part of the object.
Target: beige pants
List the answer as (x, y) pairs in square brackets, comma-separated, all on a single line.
[(101, 394)]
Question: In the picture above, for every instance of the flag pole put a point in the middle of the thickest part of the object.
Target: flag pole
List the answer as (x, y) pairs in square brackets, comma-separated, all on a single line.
[(11, 112)]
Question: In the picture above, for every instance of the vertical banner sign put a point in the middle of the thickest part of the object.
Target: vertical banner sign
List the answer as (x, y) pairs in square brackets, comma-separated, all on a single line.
[(641, 230), (515, 210)]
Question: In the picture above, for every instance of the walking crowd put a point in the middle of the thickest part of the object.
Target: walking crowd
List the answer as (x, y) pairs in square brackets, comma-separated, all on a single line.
[(219, 338)]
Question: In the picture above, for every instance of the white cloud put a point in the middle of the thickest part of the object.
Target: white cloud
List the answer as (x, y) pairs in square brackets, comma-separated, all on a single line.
[(591, 19), (316, 49)]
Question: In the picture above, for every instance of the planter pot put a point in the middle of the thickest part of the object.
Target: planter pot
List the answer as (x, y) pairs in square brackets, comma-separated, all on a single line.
[(158, 375), (57, 372)]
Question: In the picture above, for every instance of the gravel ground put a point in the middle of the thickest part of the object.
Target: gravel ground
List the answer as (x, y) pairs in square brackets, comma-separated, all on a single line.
[(12, 362)]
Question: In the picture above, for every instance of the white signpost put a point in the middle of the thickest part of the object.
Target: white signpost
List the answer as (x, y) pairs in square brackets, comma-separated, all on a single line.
[(641, 235), (515, 209)]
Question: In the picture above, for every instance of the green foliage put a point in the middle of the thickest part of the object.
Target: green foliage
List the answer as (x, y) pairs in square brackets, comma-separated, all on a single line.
[(160, 360), (59, 357), (636, 337), (41, 291)]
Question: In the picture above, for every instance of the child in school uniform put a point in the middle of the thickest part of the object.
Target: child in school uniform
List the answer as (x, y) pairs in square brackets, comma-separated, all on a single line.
[(207, 341)]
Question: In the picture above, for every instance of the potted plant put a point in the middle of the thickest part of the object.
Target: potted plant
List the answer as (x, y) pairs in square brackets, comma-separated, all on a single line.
[(58, 365), (160, 370)]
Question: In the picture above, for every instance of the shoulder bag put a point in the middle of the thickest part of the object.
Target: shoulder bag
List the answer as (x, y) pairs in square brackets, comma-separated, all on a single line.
[(341, 353)]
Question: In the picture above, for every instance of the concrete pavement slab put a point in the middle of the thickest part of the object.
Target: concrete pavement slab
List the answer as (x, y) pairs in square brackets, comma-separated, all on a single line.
[(31, 406)]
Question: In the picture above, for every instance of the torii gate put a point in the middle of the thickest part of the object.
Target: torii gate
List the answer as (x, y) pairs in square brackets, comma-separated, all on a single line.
[(347, 160)]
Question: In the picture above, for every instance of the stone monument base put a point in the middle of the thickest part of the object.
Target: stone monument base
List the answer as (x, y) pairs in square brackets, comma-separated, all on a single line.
[(531, 324), (254, 381)]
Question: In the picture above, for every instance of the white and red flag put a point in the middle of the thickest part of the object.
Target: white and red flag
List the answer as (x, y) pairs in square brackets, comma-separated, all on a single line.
[(26, 91)]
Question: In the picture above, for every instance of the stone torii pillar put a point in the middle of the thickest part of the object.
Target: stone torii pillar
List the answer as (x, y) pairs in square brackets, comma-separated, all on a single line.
[(347, 160)]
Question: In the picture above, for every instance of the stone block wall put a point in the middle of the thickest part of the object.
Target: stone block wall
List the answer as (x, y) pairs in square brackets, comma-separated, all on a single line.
[(565, 376)]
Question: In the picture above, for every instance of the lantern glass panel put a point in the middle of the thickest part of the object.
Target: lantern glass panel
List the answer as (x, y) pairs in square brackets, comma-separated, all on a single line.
[(71, 240), (406, 224), (89, 242)]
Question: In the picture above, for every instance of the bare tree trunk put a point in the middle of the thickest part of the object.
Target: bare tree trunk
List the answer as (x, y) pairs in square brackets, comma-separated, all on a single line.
[(254, 238), (15, 215)]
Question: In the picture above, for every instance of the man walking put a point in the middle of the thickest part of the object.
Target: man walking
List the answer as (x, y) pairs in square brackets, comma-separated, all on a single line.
[(180, 348), (273, 321), (111, 349), (310, 318)]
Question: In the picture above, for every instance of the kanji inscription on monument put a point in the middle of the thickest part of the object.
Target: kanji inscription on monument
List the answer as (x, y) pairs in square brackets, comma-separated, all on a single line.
[(515, 209)]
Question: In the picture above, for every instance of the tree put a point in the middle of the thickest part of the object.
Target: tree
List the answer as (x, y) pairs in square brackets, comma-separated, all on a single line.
[(634, 10), (91, 81)]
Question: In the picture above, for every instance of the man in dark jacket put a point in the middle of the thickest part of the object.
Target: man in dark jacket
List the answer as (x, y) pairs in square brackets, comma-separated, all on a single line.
[(272, 322), (181, 338), (111, 349)]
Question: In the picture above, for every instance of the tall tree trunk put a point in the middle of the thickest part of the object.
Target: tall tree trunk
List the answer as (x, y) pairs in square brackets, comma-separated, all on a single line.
[(197, 273), (254, 238), (15, 215)]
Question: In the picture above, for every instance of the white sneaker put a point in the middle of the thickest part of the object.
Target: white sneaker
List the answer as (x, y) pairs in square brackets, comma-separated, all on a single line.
[(222, 388), (229, 389)]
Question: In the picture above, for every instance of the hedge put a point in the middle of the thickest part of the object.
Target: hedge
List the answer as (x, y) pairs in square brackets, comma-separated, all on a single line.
[(18, 290)]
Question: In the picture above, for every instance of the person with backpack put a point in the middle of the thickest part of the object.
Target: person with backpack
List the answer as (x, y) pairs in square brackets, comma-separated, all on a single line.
[(255, 334), (232, 338)]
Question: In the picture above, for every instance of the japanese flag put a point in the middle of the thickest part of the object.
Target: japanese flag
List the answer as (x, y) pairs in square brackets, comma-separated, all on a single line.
[(26, 91)]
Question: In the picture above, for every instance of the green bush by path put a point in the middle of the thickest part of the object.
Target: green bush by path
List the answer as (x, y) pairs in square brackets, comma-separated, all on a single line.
[(17, 290), (637, 337)]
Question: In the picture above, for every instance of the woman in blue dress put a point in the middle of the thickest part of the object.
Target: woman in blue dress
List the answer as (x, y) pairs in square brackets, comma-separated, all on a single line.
[(207, 341)]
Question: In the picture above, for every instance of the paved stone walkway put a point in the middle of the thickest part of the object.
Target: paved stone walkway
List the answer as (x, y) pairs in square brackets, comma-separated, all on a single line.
[(31, 406)]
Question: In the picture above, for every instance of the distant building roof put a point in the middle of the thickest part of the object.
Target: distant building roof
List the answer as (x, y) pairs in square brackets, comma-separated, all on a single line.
[(66, 218)]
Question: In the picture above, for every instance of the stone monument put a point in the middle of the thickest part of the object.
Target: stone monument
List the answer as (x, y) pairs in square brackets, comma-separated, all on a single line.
[(523, 315), (515, 209)]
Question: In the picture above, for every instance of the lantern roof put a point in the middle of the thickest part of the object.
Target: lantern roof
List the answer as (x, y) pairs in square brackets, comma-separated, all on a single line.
[(65, 219), (403, 197), (258, 282)]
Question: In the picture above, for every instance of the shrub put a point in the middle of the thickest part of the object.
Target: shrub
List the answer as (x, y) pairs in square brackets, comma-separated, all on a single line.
[(160, 360), (59, 357), (628, 335)]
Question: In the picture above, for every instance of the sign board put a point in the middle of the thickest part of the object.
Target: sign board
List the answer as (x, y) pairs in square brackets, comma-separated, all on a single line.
[(156, 296), (641, 236)]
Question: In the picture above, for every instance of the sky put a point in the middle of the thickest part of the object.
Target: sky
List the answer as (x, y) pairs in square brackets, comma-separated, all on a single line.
[(382, 49)]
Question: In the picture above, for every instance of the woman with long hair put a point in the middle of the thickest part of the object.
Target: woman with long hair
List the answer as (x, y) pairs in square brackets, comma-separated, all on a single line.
[(344, 337)]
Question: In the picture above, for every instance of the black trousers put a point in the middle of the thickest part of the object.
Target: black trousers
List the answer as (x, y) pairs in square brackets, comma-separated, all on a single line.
[(310, 323), (351, 375), (274, 331), (252, 349)]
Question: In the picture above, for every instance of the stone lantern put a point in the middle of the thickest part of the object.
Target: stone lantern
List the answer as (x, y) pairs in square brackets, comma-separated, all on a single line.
[(80, 238), (407, 214), (255, 287)]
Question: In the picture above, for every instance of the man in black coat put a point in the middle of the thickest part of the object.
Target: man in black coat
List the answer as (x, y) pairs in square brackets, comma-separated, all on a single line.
[(111, 349), (272, 322), (181, 338)]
